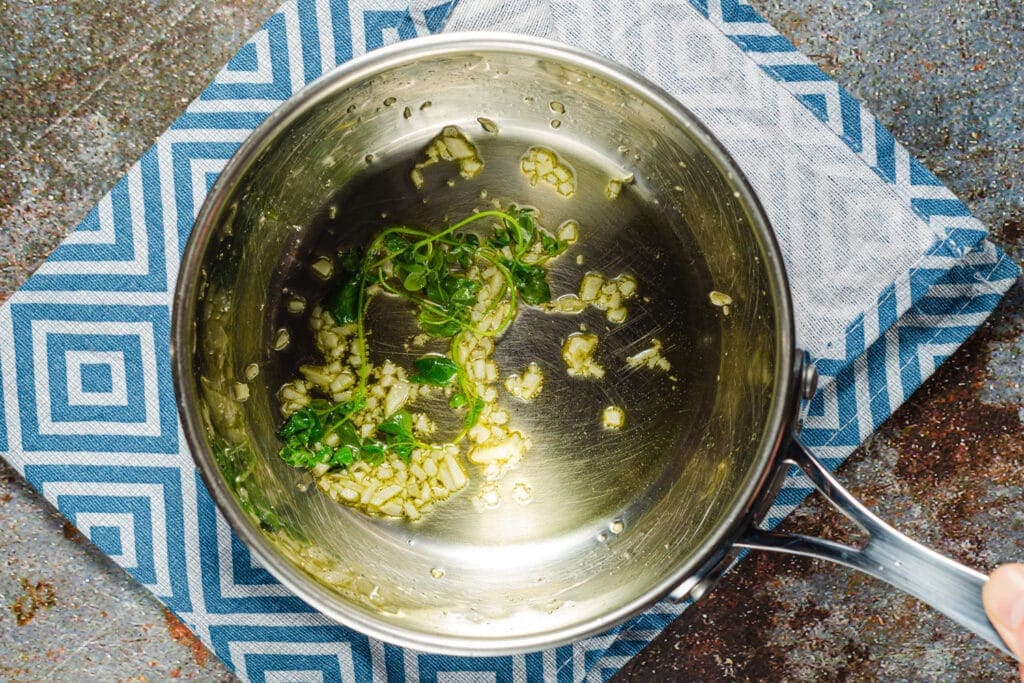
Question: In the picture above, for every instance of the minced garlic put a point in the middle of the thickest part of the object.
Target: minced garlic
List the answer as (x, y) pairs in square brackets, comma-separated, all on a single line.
[(406, 487), (608, 295), (393, 488), (569, 232), (578, 355), (323, 268), (450, 145), (650, 358), (281, 339), (241, 392), (613, 188), (613, 417), (720, 299), (396, 488), (567, 303), (527, 386), (541, 164), (296, 305), (488, 497)]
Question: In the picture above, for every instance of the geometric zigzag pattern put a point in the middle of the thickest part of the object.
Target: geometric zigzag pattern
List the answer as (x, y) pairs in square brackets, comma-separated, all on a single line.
[(88, 408), (841, 113), (868, 213)]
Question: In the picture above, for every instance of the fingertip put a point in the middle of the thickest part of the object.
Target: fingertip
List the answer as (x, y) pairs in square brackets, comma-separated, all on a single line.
[(1003, 598)]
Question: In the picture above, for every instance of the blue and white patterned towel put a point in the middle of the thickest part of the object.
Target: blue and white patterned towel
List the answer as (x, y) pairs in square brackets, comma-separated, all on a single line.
[(889, 271)]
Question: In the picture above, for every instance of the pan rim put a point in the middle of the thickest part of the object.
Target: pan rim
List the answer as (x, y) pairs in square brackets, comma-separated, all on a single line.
[(183, 333)]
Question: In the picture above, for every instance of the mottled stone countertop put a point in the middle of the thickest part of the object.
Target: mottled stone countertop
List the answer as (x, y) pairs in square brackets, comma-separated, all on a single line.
[(85, 88)]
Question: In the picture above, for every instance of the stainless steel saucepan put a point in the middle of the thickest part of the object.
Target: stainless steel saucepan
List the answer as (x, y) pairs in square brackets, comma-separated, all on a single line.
[(613, 521)]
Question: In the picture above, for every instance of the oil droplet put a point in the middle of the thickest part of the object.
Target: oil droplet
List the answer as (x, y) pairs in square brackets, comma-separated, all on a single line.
[(369, 158), (437, 573), (488, 125), (616, 527), (602, 537), (389, 101), (557, 107), (555, 123)]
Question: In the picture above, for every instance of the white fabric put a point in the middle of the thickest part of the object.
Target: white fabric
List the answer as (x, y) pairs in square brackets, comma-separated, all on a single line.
[(844, 235)]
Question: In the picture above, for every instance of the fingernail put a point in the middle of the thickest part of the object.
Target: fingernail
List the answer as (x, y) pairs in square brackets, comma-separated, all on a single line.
[(1004, 598)]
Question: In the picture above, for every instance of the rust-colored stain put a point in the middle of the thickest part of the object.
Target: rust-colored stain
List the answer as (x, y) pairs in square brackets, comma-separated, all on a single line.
[(1010, 232), (183, 635), (956, 449), (40, 595), (951, 450), (727, 635), (71, 533)]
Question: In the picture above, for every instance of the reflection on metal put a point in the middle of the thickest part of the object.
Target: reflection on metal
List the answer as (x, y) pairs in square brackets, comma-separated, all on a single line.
[(949, 587), (674, 482)]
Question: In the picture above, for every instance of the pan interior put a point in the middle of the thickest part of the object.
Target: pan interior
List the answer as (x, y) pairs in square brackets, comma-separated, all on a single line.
[(612, 516)]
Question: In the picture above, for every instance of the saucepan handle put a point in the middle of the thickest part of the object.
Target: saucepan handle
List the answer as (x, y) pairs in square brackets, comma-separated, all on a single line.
[(949, 587)]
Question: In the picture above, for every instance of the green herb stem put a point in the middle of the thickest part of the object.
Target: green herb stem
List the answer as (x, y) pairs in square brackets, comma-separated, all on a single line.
[(429, 270)]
